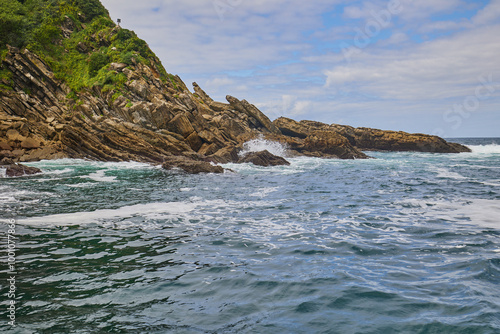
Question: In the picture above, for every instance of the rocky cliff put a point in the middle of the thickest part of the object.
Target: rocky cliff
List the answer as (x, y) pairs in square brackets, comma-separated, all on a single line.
[(96, 91), (149, 120)]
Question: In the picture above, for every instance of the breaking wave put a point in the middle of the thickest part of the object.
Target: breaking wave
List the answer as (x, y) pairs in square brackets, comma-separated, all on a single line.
[(261, 144)]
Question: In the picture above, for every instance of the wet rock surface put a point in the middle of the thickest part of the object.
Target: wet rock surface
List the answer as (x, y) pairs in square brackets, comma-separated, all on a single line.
[(13, 169), (264, 158), (191, 166)]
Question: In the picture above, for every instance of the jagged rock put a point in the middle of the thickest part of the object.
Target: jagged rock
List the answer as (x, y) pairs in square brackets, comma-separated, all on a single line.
[(264, 158), (140, 88), (118, 67), (6, 162), (201, 93), (152, 116), (191, 166), (180, 124), (316, 140), (243, 106), (30, 143), (13, 135), (15, 170), (225, 155), (4, 146), (379, 140)]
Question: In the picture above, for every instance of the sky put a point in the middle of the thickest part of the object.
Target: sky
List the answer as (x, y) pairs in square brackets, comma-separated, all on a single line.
[(426, 66)]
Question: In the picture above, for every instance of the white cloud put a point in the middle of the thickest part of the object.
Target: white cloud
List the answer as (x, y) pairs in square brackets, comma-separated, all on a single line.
[(278, 54), (434, 70), (219, 81), (489, 14)]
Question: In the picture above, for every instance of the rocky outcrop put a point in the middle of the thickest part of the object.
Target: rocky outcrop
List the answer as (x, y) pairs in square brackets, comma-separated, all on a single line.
[(191, 166), (15, 170), (147, 122), (380, 140), (330, 138), (152, 117), (313, 139), (263, 158)]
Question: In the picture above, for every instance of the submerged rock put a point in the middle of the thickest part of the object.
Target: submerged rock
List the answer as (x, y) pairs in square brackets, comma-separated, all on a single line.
[(191, 166), (264, 158)]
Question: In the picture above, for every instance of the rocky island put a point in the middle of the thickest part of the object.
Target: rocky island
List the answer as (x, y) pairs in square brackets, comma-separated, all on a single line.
[(73, 84)]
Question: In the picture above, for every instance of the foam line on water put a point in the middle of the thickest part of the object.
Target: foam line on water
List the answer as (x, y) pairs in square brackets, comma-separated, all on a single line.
[(100, 176), (195, 207), (447, 174), (71, 163), (479, 212), (79, 218)]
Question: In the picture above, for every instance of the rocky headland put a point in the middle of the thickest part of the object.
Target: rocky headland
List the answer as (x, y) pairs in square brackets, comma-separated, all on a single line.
[(98, 92)]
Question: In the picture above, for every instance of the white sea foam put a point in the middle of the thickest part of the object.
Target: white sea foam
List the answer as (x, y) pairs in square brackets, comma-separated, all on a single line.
[(297, 165), (494, 183), (7, 199), (150, 210), (195, 213), (485, 149), (263, 192), (261, 144), (71, 163), (479, 212), (100, 176), (81, 185), (59, 171), (445, 173), (11, 194)]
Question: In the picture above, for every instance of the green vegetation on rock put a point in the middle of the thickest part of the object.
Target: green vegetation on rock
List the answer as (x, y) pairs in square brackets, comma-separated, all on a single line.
[(77, 39)]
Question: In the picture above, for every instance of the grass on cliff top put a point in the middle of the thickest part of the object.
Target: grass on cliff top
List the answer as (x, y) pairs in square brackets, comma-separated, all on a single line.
[(77, 39)]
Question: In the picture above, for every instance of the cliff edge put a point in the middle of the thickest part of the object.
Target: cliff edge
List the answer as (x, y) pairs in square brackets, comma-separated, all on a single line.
[(73, 84)]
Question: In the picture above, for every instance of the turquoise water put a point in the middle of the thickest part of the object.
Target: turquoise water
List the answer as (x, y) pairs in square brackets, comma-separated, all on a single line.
[(404, 243)]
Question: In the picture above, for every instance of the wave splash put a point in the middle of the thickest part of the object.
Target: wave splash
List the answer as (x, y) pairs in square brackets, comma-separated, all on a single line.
[(261, 144), (485, 149)]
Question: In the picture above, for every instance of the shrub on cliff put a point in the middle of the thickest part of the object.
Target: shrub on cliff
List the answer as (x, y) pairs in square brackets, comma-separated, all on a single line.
[(13, 22), (76, 38)]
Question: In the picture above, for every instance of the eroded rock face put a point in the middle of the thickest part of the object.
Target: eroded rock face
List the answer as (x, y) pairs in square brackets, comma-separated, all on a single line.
[(264, 158), (315, 140), (380, 140), (153, 119), (191, 166)]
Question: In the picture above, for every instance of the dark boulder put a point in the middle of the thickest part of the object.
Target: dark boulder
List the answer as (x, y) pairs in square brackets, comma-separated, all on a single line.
[(14, 170), (264, 158), (191, 166)]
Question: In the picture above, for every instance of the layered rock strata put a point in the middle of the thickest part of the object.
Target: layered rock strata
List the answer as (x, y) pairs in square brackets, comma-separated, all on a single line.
[(151, 119), (364, 139)]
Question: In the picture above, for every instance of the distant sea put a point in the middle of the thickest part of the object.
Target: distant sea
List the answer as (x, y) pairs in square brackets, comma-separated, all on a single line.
[(404, 243)]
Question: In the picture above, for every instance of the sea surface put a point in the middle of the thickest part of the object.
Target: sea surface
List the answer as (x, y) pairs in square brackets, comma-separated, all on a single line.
[(404, 243)]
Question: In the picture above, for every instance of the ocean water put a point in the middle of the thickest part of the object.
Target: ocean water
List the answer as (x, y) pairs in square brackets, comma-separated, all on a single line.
[(404, 243)]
